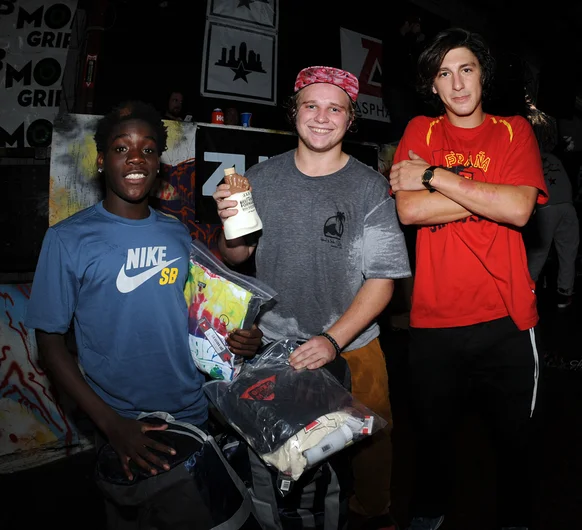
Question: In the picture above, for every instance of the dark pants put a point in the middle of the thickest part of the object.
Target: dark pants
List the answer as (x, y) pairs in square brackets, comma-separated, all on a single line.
[(495, 365)]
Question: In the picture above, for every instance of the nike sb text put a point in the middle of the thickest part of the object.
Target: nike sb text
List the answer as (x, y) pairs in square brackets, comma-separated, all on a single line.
[(151, 258)]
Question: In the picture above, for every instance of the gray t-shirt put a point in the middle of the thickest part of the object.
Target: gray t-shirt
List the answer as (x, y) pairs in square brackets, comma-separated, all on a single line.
[(322, 238)]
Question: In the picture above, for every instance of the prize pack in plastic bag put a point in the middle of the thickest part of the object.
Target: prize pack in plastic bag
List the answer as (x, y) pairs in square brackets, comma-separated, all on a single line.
[(293, 419), (219, 300)]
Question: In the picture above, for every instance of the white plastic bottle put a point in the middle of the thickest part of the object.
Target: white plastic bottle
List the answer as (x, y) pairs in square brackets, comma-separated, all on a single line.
[(247, 219), (329, 444)]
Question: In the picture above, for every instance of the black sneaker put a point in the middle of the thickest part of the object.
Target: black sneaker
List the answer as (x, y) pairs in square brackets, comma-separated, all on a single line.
[(564, 300)]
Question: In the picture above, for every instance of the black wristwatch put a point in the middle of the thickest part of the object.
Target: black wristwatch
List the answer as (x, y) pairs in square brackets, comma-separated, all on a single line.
[(427, 177)]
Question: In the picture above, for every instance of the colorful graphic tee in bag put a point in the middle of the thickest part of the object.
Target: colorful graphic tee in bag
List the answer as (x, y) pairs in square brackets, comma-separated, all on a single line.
[(219, 301)]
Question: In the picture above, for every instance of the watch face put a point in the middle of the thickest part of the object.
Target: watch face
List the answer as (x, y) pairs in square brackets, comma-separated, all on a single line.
[(427, 177)]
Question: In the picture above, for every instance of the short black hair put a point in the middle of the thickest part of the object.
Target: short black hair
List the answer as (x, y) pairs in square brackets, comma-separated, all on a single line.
[(431, 59), (131, 110)]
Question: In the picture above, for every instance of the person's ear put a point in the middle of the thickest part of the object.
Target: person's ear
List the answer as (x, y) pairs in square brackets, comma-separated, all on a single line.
[(434, 90), (100, 158)]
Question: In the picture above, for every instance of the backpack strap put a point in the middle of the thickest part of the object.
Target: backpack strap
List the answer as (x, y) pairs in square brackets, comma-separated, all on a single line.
[(237, 520), (263, 493), (332, 501), (306, 503), (246, 508)]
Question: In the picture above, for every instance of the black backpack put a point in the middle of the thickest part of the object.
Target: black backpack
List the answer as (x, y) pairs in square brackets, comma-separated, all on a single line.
[(318, 500), (198, 458)]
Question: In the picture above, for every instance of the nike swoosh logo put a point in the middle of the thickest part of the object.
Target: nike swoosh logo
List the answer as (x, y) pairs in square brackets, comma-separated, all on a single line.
[(126, 284)]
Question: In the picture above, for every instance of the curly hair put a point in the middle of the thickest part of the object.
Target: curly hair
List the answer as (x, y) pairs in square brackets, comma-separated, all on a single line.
[(131, 110), (431, 59), (292, 108)]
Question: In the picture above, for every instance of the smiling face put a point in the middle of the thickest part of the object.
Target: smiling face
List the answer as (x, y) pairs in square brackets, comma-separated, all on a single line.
[(458, 84), (130, 162), (322, 117)]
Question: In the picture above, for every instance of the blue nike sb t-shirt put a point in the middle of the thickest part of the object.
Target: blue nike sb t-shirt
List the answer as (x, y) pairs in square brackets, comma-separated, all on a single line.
[(120, 283)]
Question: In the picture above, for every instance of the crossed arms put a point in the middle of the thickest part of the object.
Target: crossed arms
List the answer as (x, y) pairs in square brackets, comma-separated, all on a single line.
[(456, 197)]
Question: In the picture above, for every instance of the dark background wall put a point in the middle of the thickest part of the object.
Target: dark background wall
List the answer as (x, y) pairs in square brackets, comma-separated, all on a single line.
[(149, 50)]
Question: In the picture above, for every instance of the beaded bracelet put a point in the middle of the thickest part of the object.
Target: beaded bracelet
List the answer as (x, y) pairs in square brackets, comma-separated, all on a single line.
[(338, 350)]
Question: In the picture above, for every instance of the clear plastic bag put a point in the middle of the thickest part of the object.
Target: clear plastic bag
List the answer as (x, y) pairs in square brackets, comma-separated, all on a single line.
[(293, 419), (219, 300)]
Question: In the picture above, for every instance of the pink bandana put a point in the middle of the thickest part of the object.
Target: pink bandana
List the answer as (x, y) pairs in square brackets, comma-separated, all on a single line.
[(326, 74)]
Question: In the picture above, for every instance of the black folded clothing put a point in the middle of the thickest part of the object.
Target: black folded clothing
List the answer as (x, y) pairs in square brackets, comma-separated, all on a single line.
[(270, 405)]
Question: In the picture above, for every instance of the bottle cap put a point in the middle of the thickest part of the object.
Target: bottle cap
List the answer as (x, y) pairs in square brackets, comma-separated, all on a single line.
[(229, 171)]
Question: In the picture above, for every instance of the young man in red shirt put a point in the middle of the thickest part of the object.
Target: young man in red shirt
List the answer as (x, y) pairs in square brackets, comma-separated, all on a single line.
[(470, 181)]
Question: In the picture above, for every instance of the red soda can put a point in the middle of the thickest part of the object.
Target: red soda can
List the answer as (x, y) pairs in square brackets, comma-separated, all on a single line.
[(218, 116)]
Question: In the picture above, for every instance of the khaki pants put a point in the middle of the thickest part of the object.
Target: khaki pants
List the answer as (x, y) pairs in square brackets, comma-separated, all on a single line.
[(371, 458)]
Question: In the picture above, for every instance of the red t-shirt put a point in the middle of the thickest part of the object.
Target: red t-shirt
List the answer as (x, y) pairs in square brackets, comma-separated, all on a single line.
[(474, 270)]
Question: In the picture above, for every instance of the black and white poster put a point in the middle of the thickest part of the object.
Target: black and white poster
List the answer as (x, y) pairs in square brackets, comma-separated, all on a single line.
[(240, 51), (260, 12), (34, 41), (239, 63)]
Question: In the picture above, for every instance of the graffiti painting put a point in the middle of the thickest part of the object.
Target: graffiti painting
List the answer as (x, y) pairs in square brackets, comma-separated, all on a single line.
[(32, 414)]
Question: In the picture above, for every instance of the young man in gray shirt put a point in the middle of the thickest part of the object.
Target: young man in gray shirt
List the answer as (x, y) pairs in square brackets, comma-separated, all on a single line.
[(331, 247)]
